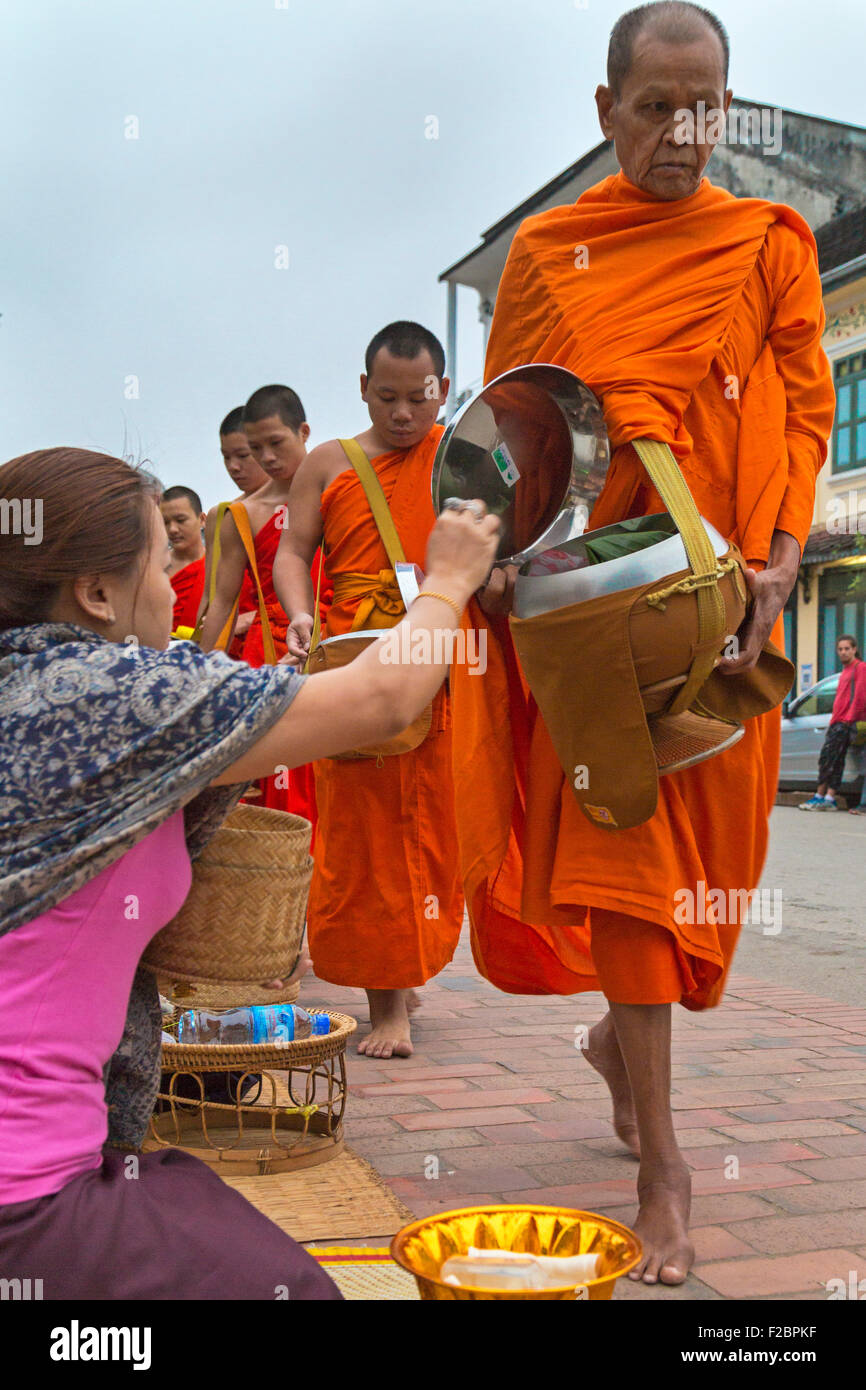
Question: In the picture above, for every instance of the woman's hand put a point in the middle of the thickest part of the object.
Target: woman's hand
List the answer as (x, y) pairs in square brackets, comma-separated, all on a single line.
[(244, 623), (461, 548), (298, 637)]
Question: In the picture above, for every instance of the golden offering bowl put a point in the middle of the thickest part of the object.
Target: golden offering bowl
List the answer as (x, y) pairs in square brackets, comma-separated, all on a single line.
[(423, 1247)]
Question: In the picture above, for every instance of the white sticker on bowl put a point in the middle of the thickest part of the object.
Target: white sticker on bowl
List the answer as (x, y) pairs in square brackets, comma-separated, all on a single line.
[(506, 465)]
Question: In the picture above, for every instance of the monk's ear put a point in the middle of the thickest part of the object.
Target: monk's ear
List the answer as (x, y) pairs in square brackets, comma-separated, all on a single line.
[(304, 431), (728, 98), (363, 386), (605, 102), (444, 388)]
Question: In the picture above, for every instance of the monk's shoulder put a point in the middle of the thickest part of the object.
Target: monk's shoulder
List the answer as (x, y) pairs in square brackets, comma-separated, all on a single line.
[(787, 253), (324, 463), (542, 227), (789, 241)]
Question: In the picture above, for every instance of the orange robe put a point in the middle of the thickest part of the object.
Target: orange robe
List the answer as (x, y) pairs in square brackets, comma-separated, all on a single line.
[(697, 322), (295, 790), (385, 905), (188, 585)]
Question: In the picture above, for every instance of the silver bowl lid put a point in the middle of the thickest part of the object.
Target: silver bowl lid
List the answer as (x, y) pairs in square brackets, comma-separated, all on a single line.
[(533, 446)]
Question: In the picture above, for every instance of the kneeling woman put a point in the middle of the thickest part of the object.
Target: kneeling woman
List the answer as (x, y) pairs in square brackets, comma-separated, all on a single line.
[(119, 756)]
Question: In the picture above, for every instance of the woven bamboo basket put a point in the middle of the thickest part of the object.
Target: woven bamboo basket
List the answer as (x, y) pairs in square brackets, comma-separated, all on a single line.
[(243, 921)]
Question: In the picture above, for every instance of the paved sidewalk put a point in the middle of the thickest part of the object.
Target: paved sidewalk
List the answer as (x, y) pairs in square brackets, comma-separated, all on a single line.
[(497, 1105)]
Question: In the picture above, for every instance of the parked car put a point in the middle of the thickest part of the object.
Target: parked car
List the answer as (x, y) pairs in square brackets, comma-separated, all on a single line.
[(805, 720)]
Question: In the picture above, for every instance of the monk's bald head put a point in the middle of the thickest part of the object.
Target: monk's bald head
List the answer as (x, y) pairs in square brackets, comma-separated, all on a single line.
[(667, 69), (672, 21)]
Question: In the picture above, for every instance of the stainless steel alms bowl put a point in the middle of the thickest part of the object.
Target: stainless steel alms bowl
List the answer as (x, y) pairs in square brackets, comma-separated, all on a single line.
[(533, 446)]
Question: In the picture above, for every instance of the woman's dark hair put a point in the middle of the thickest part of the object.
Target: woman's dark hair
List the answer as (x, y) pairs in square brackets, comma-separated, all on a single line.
[(65, 513)]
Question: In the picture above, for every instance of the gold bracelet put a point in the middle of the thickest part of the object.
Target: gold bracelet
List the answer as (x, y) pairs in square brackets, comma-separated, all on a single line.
[(428, 593)]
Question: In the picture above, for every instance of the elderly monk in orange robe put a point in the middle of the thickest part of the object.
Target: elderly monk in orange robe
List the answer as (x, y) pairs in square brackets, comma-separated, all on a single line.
[(277, 433), (696, 317), (183, 516), (385, 906)]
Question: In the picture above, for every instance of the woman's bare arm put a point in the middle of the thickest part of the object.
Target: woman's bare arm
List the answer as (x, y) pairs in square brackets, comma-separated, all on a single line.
[(370, 699)]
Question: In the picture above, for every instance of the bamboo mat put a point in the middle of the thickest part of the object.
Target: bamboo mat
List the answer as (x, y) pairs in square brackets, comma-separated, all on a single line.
[(342, 1199), (367, 1274)]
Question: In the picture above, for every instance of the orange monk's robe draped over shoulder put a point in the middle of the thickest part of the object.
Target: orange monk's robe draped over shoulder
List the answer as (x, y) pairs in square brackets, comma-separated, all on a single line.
[(293, 790), (385, 905), (697, 322), (188, 585)]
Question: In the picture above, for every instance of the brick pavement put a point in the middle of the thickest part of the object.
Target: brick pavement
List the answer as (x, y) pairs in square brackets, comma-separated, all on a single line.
[(769, 1094)]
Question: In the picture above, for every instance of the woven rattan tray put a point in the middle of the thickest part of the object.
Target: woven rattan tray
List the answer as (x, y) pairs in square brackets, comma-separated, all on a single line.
[(302, 1052), (296, 1122)]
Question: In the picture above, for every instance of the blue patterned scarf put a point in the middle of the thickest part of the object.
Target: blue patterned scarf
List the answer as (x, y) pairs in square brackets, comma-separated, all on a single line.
[(99, 744)]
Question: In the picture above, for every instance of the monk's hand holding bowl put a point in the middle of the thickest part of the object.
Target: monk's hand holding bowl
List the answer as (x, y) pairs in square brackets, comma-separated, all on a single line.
[(298, 637), (497, 595), (461, 549), (768, 591)]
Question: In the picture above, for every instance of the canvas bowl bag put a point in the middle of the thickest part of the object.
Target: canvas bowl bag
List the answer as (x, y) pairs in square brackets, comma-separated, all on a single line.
[(618, 653), (334, 652)]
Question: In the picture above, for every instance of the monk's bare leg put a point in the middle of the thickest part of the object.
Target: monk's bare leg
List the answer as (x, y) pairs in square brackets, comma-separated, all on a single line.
[(389, 1034), (602, 1052), (664, 1185)]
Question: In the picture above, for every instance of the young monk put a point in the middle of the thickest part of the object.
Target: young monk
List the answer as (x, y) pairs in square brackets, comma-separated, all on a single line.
[(696, 317), (144, 747), (249, 476), (277, 433), (240, 462), (385, 904), (183, 516)]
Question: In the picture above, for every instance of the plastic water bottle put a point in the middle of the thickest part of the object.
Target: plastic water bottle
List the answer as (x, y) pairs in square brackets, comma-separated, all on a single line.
[(259, 1023)]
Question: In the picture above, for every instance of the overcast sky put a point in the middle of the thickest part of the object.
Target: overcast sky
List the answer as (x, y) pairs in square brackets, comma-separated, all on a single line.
[(150, 263)]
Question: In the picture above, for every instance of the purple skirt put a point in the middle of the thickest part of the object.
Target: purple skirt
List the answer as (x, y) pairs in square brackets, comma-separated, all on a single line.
[(174, 1231)]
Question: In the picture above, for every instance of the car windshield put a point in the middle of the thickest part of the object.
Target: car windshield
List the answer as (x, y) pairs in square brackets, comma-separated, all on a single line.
[(819, 699)]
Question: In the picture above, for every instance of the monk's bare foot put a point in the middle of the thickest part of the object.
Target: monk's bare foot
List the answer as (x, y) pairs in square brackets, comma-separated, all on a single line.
[(603, 1054), (664, 1190), (389, 1034)]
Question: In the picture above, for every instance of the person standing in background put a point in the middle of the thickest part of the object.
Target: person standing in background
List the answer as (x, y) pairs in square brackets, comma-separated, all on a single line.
[(183, 516), (385, 906), (849, 706), (277, 431), (249, 476)]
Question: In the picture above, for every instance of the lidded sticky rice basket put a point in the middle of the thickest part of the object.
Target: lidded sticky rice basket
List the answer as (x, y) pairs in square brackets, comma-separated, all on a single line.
[(243, 921)]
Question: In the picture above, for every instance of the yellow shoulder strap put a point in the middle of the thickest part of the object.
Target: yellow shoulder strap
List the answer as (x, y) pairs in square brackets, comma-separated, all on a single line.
[(376, 498), (664, 472), (316, 635), (242, 521), (222, 508), (378, 504)]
